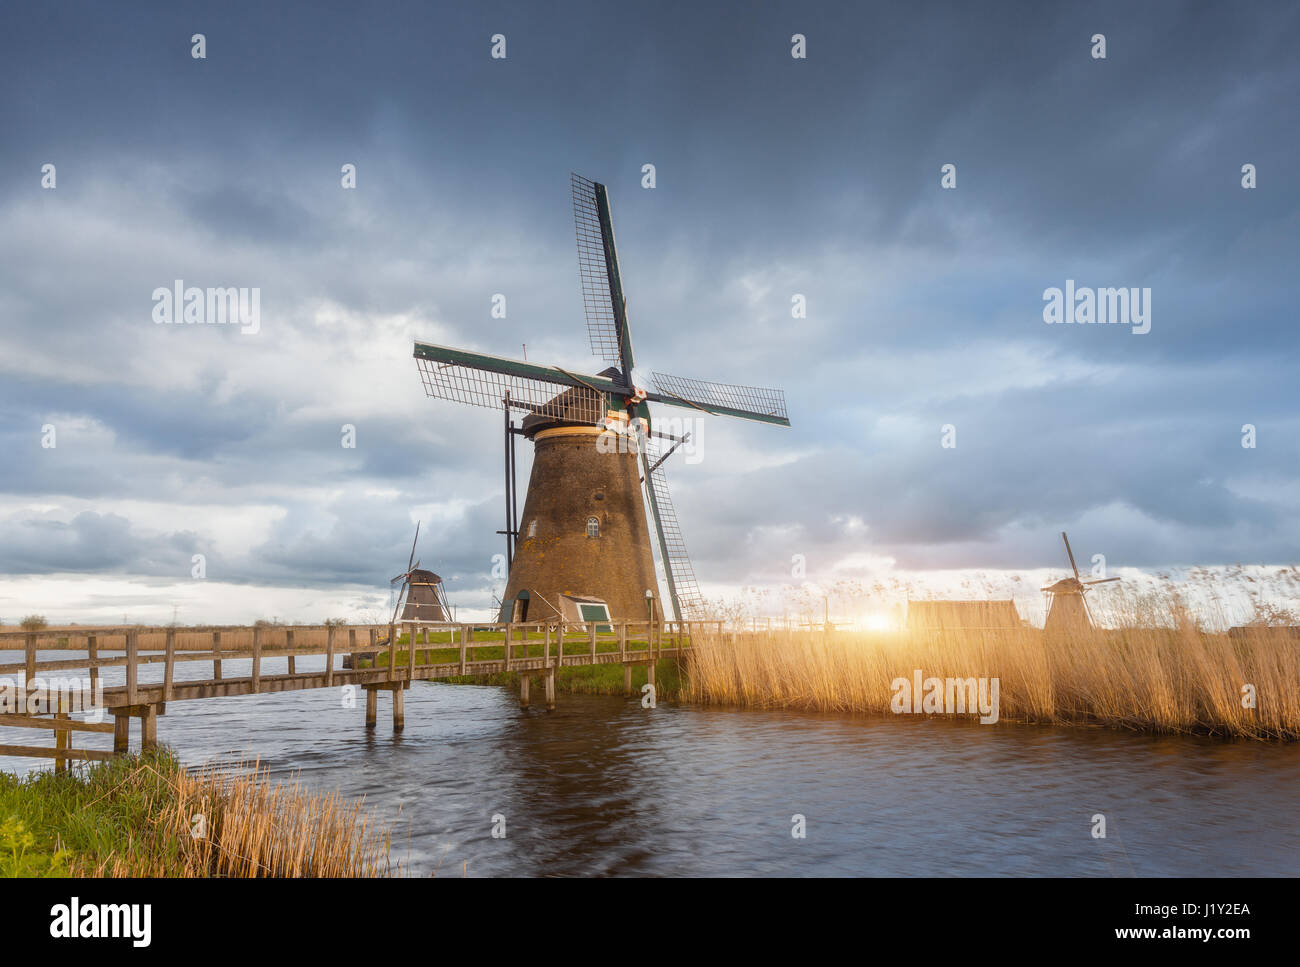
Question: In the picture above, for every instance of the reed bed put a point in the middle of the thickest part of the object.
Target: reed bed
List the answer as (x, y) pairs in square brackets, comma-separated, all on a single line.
[(1174, 679), (152, 817)]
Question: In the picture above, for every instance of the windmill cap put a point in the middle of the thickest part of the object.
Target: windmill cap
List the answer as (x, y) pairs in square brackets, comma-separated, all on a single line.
[(419, 576), (573, 407)]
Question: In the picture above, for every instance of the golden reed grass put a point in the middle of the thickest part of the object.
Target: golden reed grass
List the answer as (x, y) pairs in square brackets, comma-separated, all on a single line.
[(211, 822), (1164, 679)]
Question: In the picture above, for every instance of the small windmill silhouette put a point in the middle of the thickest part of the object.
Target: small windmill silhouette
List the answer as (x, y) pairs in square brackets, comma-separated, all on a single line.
[(1067, 610)]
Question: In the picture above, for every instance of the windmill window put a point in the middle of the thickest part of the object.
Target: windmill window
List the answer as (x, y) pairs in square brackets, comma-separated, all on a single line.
[(593, 527), (532, 527)]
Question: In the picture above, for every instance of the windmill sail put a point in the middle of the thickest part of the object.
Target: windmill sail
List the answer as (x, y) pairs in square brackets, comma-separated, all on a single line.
[(482, 380), (724, 399), (563, 405), (595, 268), (688, 603)]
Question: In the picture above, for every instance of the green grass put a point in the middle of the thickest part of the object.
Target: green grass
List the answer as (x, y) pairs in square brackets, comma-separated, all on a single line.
[(595, 680), (147, 816), (59, 824), (584, 679)]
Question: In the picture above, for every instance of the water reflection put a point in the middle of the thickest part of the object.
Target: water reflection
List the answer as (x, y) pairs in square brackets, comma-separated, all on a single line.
[(602, 786)]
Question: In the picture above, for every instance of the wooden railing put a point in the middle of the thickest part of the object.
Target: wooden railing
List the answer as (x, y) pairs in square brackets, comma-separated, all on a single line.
[(562, 644)]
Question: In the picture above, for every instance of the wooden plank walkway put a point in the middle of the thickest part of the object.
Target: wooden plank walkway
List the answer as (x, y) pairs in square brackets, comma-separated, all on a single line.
[(43, 695)]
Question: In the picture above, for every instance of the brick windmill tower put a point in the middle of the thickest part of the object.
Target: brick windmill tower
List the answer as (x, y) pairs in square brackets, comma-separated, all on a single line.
[(597, 500)]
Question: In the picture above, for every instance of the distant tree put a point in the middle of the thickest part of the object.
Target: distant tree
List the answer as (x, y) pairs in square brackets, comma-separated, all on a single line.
[(34, 622), (335, 622)]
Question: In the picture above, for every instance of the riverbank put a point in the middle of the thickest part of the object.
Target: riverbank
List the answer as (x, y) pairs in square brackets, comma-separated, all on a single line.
[(1139, 677), (577, 680), (1148, 679), (149, 816)]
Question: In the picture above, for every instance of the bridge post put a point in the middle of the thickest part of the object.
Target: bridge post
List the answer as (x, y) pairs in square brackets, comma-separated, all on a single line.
[(148, 728), (132, 670), (524, 681), (399, 707), (169, 668), (372, 705), (62, 739), (549, 681), (256, 675), (121, 731), (650, 672), (92, 650), (627, 681), (29, 643), (392, 652)]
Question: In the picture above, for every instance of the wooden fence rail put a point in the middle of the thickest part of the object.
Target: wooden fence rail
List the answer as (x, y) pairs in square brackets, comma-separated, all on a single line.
[(45, 695)]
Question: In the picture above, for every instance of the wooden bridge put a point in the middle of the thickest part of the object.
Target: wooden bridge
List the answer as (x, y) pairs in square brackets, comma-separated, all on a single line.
[(48, 691)]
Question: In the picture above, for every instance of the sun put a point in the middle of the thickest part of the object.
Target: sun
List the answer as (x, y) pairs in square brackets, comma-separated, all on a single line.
[(877, 622)]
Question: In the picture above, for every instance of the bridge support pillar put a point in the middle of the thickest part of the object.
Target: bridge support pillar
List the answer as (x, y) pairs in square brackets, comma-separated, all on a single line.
[(148, 716), (627, 681), (524, 683), (650, 673), (372, 706), (149, 728), (550, 689), (121, 732), (399, 707)]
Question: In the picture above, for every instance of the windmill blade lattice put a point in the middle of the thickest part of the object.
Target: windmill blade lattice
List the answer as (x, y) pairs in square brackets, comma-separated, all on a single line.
[(593, 272), (690, 603), (752, 402), (478, 386)]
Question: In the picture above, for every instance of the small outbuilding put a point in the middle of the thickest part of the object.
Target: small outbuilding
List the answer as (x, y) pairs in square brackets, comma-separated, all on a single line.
[(962, 616)]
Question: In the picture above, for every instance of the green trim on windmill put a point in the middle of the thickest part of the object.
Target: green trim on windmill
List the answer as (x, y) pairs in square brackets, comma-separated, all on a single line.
[(515, 367), (626, 358), (715, 409)]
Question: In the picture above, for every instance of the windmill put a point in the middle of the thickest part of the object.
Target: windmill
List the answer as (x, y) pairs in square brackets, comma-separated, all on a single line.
[(402, 582), (583, 541), (1066, 608)]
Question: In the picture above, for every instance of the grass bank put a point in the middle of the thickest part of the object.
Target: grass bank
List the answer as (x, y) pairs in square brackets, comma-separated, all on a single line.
[(1162, 679), (149, 816), (600, 680), (581, 679)]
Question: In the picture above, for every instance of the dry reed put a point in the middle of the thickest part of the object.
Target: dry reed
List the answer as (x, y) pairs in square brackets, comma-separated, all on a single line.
[(211, 822), (1149, 676)]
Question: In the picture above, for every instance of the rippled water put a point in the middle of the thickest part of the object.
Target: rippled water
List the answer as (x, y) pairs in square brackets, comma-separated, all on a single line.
[(602, 786)]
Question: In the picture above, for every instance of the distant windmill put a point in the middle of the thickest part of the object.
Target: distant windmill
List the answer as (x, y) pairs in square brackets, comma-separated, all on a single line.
[(402, 582), (582, 548), (1067, 610)]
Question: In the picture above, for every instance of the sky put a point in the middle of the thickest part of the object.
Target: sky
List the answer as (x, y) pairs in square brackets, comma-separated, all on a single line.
[(774, 177)]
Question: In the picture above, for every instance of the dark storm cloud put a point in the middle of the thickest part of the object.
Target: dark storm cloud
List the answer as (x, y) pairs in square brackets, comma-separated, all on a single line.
[(89, 543), (775, 177)]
